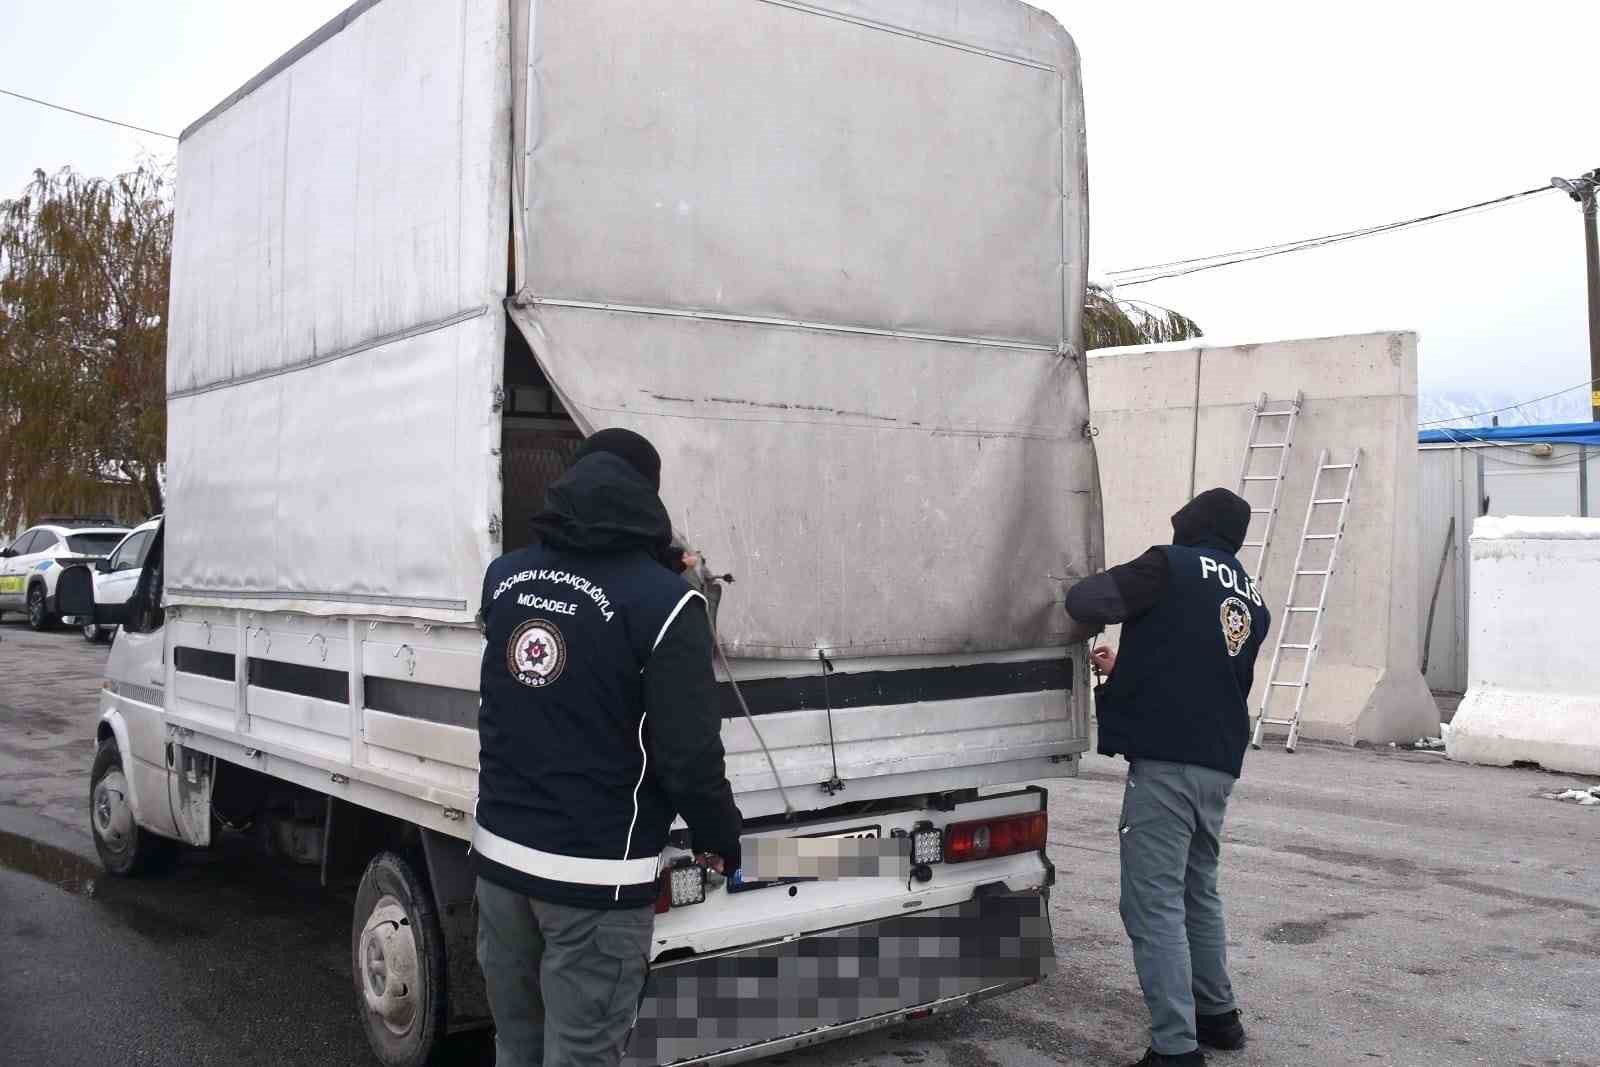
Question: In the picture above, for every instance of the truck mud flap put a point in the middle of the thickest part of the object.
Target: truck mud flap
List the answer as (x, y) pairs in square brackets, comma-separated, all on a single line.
[(769, 993)]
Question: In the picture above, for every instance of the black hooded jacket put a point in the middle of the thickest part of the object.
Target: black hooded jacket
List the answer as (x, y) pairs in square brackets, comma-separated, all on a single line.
[(599, 719), (1193, 622)]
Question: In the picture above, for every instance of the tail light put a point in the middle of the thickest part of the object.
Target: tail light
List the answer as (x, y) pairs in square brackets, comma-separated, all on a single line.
[(989, 838), (664, 898)]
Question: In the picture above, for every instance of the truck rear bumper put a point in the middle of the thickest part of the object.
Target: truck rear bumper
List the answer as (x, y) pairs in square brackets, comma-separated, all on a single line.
[(773, 998)]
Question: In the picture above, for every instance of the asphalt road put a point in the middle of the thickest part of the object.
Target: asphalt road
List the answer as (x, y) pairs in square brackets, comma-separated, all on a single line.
[(1384, 908)]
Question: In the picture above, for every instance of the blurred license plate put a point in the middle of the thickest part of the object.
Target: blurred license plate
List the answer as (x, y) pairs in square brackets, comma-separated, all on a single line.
[(859, 831), (740, 884)]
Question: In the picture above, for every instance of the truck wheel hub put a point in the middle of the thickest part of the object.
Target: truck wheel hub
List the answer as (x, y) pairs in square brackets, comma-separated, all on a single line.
[(113, 819), (389, 966)]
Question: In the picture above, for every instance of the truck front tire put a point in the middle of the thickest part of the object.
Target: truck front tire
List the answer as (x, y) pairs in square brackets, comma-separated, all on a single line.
[(126, 849), (398, 963)]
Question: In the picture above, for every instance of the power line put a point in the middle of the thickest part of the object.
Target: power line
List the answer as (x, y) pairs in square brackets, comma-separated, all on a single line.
[(1314, 241), (1240, 252), (1509, 407), (1247, 255), (85, 114), (1508, 448), (1229, 259)]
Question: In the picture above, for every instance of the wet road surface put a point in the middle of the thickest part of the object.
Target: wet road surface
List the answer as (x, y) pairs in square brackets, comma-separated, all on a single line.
[(1383, 907)]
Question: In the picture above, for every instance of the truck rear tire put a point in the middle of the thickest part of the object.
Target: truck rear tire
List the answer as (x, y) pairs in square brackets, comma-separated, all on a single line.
[(397, 958), (126, 849)]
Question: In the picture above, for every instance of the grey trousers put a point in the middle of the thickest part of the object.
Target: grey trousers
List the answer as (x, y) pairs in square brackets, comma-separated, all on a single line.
[(1170, 830), (564, 983)]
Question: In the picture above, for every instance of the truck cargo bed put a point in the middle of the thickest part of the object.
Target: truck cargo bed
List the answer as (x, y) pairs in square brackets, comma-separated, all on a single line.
[(392, 709)]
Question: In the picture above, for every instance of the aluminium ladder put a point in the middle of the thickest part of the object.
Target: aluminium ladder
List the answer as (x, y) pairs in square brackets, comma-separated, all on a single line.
[(1317, 509), (1253, 444)]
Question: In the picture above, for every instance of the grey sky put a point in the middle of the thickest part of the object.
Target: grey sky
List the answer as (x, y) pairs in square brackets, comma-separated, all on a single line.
[(1211, 127)]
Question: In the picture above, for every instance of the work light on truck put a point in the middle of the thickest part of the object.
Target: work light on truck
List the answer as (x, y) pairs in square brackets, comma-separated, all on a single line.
[(927, 843), (688, 883), (985, 839)]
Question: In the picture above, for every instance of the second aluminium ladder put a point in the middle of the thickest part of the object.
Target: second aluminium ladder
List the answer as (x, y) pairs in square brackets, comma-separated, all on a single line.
[(1248, 476), (1323, 500)]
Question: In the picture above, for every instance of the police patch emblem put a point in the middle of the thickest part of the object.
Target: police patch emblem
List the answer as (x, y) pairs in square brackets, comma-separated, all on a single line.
[(1235, 624), (536, 653)]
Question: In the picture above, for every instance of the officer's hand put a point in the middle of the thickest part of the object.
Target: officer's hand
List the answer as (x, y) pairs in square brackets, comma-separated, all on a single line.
[(1105, 658), (710, 861)]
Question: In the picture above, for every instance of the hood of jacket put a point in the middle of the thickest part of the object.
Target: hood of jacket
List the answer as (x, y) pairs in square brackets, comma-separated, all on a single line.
[(1217, 518), (602, 504)]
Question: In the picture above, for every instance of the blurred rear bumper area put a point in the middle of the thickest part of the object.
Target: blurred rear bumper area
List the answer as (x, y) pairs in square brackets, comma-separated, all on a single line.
[(777, 997)]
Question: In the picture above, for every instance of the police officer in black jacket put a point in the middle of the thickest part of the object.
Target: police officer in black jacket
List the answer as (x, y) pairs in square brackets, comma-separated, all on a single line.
[(599, 723), (1175, 706)]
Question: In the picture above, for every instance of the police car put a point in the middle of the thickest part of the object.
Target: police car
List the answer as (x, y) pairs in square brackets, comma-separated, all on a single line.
[(30, 565)]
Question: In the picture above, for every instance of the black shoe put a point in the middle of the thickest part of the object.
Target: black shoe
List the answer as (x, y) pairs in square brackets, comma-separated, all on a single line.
[(1220, 1031), (1152, 1058)]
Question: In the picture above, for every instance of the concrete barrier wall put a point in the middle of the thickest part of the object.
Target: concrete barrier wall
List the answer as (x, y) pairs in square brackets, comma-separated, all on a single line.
[(1173, 420), (1534, 671)]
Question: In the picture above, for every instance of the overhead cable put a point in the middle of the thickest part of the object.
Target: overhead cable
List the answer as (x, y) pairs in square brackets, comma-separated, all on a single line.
[(1510, 407), (1179, 267), (86, 114), (1506, 448)]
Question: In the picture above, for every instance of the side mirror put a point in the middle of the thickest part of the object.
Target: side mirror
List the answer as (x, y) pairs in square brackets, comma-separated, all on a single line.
[(103, 566), (6, 553), (75, 591), (75, 597)]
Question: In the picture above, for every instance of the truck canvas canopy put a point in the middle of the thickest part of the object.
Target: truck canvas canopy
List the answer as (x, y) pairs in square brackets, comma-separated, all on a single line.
[(828, 256)]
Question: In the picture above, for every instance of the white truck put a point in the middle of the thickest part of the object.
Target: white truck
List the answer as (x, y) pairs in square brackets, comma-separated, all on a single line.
[(829, 257)]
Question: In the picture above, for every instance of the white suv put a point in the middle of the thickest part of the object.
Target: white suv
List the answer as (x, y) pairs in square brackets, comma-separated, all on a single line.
[(115, 576), (30, 565)]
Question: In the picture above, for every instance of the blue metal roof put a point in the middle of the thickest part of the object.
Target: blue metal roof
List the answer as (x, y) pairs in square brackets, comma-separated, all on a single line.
[(1564, 433)]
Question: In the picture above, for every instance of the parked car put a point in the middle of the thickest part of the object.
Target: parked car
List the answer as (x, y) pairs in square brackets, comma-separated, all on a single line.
[(30, 565), (116, 575)]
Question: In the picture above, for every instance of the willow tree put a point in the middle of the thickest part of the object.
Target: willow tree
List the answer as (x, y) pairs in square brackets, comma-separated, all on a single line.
[(84, 270), (1110, 323)]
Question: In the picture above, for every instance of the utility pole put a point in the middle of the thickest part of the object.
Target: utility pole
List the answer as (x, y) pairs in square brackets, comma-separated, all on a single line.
[(1583, 190)]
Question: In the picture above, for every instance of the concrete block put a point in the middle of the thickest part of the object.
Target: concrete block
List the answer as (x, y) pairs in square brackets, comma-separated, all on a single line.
[(1173, 420), (1533, 677)]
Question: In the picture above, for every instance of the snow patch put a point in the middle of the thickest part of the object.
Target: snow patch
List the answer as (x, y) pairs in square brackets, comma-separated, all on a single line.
[(1586, 797), (1536, 528)]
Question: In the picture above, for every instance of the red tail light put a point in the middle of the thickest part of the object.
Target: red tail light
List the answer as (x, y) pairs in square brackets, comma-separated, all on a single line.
[(989, 838), (664, 898)]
